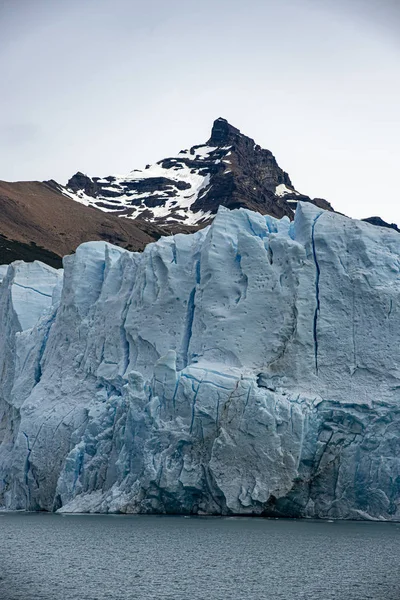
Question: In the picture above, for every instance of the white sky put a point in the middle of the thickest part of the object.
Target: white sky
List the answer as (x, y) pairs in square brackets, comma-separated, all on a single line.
[(105, 86)]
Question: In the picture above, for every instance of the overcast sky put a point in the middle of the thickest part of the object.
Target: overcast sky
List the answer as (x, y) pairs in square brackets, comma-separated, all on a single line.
[(105, 86)]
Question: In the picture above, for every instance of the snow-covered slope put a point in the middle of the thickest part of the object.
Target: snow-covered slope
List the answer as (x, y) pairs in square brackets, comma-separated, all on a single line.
[(229, 170), (159, 193), (252, 367)]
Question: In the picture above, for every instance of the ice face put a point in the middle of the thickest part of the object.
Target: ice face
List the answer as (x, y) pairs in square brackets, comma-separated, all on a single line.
[(31, 286), (249, 368)]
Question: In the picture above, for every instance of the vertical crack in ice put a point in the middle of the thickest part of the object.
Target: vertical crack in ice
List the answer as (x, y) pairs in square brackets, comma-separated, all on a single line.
[(189, 326), (78, 467), (159, 474), (217, 416), (176, 389), (326, 445), (27, 462), (243, 280), (143, 288), (245, 404), (247, 397), (124, 337), (43, 345), (173, 248), (317, 306), (354, 333), (191, 306), (301, 441), (194, 402), (207, 476)]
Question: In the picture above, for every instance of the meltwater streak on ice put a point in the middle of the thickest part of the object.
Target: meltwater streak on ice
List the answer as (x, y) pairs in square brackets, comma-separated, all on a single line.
[(252, 368), (50, 557)]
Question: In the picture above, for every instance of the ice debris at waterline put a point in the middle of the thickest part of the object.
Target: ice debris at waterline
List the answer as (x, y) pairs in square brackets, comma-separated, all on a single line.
[(252, 368)]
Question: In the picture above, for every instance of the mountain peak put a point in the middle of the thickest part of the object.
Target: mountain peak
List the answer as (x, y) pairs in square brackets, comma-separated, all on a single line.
[(222, 133), (230, 170)]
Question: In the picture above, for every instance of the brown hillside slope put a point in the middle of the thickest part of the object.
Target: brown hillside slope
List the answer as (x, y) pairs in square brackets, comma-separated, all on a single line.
[(39, 223)]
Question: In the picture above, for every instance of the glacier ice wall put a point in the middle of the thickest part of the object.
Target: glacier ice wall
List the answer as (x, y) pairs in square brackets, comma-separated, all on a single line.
[(249, 368)]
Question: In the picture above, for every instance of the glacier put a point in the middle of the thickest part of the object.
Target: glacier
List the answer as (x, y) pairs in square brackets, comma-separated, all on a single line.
[(250, 368)]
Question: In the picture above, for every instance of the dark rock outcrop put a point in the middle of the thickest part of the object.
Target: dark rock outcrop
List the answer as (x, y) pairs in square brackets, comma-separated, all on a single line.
[(381, 223)]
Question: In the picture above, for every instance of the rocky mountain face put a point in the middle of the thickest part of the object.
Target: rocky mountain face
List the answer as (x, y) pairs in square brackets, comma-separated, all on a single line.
[(229, 170), (249, 368), (45, 221), (38, 222)]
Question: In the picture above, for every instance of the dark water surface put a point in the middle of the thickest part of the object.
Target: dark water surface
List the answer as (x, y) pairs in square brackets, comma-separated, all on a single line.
[(83, 557)]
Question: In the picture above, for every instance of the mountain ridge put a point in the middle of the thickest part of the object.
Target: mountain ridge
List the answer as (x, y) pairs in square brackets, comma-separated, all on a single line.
[(229, 170)]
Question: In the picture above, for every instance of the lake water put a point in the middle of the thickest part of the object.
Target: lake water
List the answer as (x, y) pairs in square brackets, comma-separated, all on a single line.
[(84, 557)]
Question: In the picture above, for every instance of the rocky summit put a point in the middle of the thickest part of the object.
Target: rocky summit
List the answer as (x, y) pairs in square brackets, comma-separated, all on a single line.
[(249, 368), (229, 170)]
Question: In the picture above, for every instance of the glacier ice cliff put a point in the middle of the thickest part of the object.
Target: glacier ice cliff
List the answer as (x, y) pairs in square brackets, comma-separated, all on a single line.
[(250, 368)]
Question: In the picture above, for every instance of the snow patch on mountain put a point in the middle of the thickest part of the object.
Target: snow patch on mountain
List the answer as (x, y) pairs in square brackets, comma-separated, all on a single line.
[(184, 184), (282, 189)]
